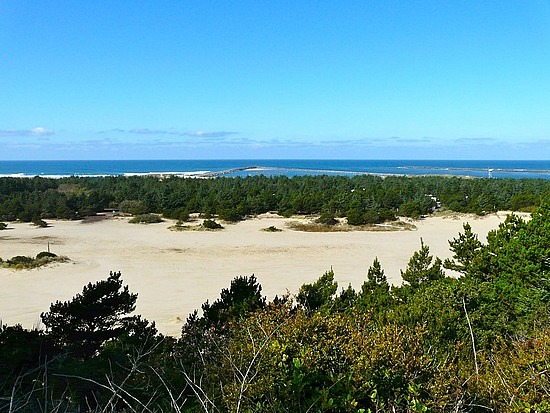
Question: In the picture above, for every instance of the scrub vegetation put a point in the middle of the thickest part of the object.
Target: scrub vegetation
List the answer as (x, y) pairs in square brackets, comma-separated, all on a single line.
[(475, 343), (22, 262)]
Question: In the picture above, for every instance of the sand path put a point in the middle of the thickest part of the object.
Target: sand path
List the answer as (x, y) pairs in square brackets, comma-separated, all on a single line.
[(175, 272)]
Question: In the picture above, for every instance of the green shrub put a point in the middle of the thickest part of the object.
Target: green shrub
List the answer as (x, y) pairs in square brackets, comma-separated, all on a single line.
[(327, 218), (230, 215), (3, 225), (39, 223), (132, 207), (146, 219), (45, 254), (355, 217), (184, 216), (20, 260), (211, 224), (272, 229)]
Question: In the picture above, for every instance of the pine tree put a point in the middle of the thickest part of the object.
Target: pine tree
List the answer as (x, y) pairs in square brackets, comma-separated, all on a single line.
[(420, 268), (92, 317)]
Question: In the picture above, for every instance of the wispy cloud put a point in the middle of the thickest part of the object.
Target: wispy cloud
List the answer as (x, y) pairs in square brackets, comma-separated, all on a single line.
[(202, 134), (147, 131), (174, 132), (39, 131), (392, 140), (475, 140)]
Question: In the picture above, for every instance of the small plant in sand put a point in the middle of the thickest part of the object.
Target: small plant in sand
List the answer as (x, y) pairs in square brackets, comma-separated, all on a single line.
[(272, 229), (146, 219), (3, 225), (211, 224), (39, 223), (22, 262), (179, 226)]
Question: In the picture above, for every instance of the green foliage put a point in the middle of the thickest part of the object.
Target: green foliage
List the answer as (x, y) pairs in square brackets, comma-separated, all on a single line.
[(420, 269), (211, 224), (39, 223), (3, 225), (479, 342), (21, 262), (515, 376), (464, 249), (363, 199), (230, 215), (355, 216), (201, 335), (320, 294), (524, 202), (327, 218), (45, 254), (93, 317), (242, 297), (145, 219), (338, 363), (132, 207), (375, 291)]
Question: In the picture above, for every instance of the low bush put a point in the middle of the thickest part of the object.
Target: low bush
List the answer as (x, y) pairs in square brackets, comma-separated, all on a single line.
[(327, 219), (211, 224), (45, 254), (39, 223), (272, 229), (3, 225), (21, 262)]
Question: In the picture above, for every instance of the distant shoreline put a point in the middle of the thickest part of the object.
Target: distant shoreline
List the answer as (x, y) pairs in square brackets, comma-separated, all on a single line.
[(288, 167)]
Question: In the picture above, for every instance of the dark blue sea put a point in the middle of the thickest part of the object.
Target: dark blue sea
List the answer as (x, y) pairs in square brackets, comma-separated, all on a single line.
[(495, 169)]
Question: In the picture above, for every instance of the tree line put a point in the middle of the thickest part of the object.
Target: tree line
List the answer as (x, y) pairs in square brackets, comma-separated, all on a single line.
[(362, 199), (478, 342)]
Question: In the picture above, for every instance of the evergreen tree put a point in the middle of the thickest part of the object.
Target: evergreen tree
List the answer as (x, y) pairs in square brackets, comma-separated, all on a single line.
[(319, 294), (96, 315), (375, 291), (420, 269), (465, 248)]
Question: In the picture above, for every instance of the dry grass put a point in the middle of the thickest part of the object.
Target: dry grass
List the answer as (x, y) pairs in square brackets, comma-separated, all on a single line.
[(34, 263), (313, 226)]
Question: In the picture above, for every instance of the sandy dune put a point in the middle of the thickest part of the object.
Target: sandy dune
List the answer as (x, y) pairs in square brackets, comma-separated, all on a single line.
[(175, 272)]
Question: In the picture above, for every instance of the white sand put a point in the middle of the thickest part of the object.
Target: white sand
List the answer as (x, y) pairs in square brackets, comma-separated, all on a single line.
[(175, 272)]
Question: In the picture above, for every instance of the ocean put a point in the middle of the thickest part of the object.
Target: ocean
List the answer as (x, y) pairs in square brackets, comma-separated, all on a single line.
[(271, 167)]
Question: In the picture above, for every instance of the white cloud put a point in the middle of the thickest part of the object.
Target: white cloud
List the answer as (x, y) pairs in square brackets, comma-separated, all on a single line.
[(202, 134), (39, 131)]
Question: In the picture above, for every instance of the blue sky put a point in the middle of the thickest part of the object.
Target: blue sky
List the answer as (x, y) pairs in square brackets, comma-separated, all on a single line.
[(281, 79)]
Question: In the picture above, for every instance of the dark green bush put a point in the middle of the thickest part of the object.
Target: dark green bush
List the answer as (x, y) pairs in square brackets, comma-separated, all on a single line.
[(3, 225), (327, 218), (20, 260), (272, 229), (211, 224), (39, 223), (230, 215), (132, 207), (45, 254)]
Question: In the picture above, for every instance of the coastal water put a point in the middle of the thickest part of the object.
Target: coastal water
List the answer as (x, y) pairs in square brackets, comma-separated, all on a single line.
[(288, 167)]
